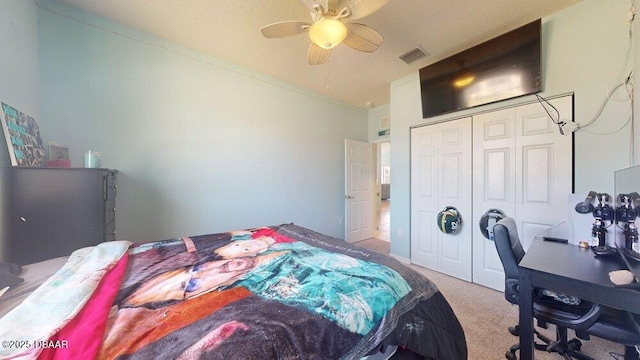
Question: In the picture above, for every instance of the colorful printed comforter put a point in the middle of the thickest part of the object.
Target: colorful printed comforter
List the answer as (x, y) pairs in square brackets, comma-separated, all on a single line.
[(282, 292)]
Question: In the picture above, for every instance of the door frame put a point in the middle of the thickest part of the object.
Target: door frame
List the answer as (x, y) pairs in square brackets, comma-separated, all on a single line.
[(378, 180)]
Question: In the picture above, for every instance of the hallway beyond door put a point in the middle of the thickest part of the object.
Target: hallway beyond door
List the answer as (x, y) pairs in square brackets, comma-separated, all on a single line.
[(383, 231)]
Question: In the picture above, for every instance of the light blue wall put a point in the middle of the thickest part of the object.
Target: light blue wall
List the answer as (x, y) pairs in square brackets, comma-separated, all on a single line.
[(202, 145), (586, 50), (19, 84)]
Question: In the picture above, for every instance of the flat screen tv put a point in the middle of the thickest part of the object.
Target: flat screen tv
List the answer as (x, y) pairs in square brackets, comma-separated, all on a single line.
[(505, 67)]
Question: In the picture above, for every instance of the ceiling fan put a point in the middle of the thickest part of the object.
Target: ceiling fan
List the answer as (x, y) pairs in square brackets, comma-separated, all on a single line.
[(331, 26)]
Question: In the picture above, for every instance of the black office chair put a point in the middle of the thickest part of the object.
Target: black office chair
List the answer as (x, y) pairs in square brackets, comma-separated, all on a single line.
[(545, 309), (620, 327)]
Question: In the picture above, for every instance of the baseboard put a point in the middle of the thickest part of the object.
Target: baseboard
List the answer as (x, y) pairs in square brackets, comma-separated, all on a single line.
[(402, 259)]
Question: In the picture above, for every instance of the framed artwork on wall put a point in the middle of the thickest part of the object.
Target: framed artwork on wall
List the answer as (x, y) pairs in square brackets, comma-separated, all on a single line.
[(22, 134)]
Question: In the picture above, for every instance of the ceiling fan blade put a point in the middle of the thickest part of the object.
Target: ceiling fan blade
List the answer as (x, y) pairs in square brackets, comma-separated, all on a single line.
[(363, 38), (284, 29), (318, 55), (361, 8)]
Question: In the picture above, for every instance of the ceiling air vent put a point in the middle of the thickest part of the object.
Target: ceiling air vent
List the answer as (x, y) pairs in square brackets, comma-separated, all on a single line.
[(413, 55)]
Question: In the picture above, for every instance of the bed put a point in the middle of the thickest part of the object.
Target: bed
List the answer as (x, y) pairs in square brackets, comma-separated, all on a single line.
[(279, 292)]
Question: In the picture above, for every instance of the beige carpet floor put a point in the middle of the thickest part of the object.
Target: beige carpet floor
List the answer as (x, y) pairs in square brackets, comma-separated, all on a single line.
[(485, 316)]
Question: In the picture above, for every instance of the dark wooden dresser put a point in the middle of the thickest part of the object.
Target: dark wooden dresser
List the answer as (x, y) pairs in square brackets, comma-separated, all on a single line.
[(53, 211)]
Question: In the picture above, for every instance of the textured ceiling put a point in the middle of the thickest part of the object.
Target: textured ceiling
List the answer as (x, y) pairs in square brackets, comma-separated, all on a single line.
[(230, 29)]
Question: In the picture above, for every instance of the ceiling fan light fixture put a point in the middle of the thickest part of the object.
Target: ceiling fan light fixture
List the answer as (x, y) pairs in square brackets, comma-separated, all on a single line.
[(327, 32)]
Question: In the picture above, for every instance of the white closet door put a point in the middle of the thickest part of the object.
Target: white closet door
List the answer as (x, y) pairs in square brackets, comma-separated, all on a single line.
[(544, 162), (440, 177), (494, 149), (425, 246), (522, 166), (455, 190)]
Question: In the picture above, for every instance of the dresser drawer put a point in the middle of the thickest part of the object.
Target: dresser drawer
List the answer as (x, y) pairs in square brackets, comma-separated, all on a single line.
[(110, 185), (109, 210), (110, 231)]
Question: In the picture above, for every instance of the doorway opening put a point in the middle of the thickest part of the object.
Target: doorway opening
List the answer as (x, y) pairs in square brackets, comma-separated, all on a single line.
[(383, 182)]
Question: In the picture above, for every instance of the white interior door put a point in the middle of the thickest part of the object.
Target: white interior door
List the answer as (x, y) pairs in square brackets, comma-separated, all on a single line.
[(440, 177), (359, 180), (522, 166)]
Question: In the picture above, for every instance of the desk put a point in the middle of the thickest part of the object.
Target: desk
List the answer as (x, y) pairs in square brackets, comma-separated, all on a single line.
[(571, 270)]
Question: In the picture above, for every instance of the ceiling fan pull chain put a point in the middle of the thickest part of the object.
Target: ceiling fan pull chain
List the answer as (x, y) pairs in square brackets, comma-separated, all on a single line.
[(327, 76)]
